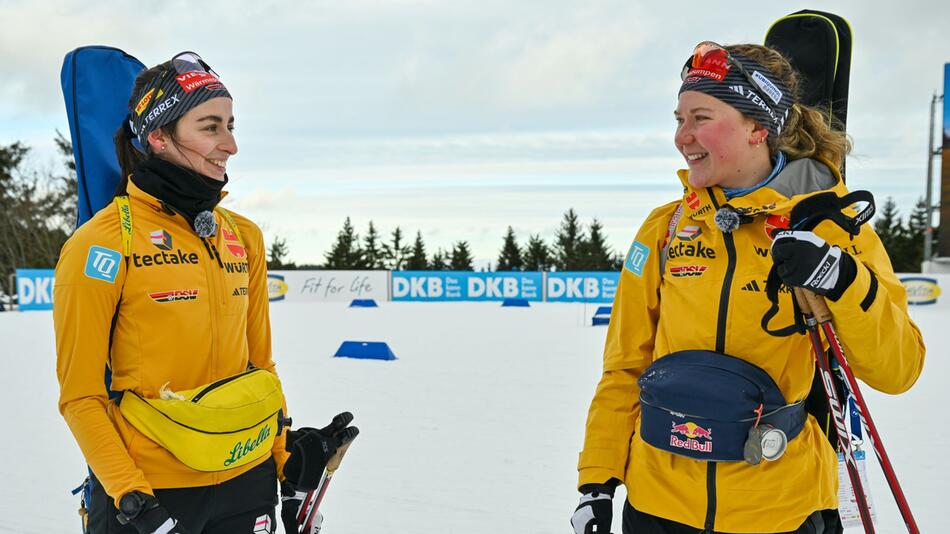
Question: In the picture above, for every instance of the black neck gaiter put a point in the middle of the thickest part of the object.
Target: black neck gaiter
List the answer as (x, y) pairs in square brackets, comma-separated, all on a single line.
[(183, 190)]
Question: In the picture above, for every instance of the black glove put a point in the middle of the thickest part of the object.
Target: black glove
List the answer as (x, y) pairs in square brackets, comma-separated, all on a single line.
[(144, 512), (290, 502), (804, 260), (310, 450), (596, 510)]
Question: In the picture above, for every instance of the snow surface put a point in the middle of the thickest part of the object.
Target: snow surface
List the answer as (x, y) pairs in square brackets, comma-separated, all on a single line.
[(475, 428)]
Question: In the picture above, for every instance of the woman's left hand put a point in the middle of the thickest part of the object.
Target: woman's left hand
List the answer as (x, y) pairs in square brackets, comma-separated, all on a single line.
[(805, 260)]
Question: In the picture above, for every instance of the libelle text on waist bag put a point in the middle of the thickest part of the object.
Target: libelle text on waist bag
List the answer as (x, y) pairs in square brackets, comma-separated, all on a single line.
[(215, 427)]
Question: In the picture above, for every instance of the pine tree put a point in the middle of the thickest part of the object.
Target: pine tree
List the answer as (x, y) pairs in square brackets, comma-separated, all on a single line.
[(509, 259), (887, 225), (594, 253), (417, 259), (277, 253), (370, 251), (439, 262), (537, 256), (395, 252), (37, 210), (345, 253), (461, 259), (568, 243), (914, 244)]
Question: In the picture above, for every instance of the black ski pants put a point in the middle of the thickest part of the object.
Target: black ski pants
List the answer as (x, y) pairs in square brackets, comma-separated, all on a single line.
[(232, 507), (637, 522)]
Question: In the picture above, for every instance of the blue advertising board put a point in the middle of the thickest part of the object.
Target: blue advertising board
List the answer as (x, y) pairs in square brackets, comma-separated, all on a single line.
[(442, 286), (34, 288), (582, 286)]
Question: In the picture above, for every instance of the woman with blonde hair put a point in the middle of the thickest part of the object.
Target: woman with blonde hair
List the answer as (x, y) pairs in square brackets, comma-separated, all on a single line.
[(693, 378)]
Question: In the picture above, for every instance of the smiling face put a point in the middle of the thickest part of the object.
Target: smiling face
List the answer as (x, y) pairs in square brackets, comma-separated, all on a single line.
[(203, 139), (720, 145)]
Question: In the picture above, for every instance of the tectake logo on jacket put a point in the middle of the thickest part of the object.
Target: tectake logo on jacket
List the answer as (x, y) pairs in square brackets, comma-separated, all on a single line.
[(697, 250), (164, 258)]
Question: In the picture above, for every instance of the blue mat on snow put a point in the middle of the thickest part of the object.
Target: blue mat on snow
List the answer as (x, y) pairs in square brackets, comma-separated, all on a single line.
[(365, 350), (601, 316)]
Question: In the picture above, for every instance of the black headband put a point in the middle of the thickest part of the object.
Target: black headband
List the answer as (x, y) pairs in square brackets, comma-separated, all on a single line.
[(743, 84), (188, 82)]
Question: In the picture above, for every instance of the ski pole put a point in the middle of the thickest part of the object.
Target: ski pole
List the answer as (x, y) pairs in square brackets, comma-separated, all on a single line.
[(308, 511), (837, 411), (822, 315)]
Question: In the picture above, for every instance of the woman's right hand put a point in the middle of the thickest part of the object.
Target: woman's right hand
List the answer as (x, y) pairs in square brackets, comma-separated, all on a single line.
[(146, 514), (596, 510)]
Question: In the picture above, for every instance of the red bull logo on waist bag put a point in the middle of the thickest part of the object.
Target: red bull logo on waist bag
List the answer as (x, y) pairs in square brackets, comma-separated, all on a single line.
[(693, 434)]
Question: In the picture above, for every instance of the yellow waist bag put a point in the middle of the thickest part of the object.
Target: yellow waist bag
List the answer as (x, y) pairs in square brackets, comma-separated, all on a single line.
[(215, 427)]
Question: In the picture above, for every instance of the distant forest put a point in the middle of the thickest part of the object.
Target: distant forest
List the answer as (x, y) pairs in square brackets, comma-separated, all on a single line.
[(38, 213), (575, 247)]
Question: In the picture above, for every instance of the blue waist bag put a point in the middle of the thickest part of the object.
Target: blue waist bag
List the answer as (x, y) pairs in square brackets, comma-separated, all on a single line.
[(709, 406)]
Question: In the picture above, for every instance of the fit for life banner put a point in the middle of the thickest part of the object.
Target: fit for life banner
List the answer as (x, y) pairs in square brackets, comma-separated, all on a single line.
[(34, 289), (443, 286), (582, 286), (327, 286)]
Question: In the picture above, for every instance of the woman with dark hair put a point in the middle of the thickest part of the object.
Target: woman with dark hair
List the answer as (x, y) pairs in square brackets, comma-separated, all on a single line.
[(700, 411), (168, 291)]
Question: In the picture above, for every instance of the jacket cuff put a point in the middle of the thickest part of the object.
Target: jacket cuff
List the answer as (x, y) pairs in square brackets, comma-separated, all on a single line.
[(594, 475), (598, 466), (861, 293), (847, 271)]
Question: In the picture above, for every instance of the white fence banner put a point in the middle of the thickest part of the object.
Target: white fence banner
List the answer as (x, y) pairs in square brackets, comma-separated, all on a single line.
[(327, 286)]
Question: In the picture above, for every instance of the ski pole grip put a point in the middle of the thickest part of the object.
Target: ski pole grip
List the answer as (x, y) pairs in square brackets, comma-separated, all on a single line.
[(813, 304), (337, 458)]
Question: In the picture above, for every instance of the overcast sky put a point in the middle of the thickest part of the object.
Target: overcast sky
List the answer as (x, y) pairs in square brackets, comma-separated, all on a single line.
[(459, 118)]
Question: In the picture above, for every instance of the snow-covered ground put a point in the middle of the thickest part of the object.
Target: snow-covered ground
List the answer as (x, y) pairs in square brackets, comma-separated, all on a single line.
[(475, 428)]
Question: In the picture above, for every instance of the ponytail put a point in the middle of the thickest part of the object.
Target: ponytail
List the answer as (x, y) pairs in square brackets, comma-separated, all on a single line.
[(808, 132), (127, 154)]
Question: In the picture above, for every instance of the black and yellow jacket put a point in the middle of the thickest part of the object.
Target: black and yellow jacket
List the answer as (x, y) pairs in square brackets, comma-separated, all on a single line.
[(190, 311), (711, 295)]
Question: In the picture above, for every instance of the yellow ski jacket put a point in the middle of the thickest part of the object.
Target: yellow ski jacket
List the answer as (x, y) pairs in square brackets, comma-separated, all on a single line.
[(187, 312), (710, 295)]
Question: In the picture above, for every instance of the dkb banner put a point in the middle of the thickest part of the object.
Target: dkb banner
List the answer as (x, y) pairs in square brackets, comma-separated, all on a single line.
[(582, 286), (435, 286), (34, 289)]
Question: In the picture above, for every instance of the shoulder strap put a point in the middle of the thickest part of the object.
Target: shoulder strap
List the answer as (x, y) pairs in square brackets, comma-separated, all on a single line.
[(231, 222), (670, 232), (125, 223)]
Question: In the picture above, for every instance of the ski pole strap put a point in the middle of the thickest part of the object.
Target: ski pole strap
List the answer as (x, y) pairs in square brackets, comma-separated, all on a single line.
[(772, 287), (810, 212), (806, 215)]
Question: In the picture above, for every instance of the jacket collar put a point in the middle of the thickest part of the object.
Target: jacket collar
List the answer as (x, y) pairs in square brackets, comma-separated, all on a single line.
[(799, 179)]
